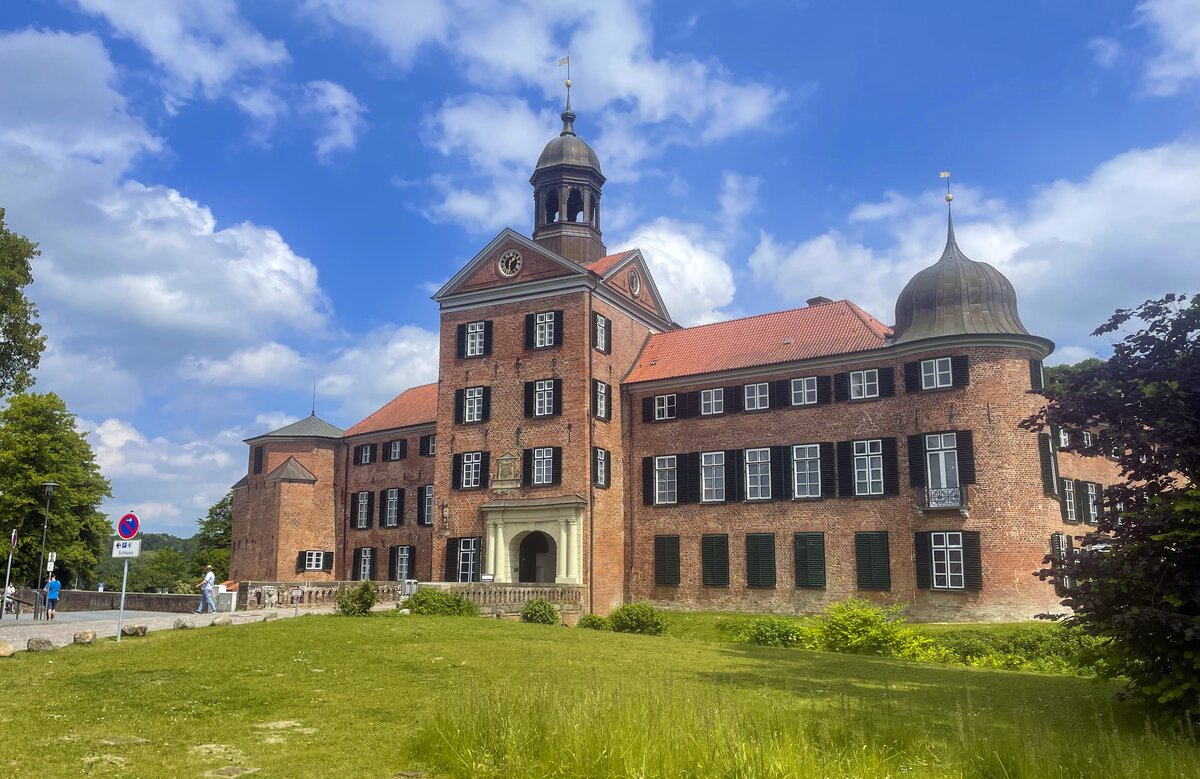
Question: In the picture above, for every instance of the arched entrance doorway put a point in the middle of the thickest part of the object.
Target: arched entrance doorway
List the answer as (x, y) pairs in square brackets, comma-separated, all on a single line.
[(536, 558)]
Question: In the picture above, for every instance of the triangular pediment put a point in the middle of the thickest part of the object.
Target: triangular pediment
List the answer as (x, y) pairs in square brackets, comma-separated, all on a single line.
[(291, 470), (619, 278), (484, 272)]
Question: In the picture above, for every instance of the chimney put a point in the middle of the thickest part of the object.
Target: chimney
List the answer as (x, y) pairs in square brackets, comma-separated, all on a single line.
[(818, 300)]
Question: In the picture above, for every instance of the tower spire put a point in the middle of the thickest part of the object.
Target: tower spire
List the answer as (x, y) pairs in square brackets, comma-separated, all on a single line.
[(568, 116), (951, 251)]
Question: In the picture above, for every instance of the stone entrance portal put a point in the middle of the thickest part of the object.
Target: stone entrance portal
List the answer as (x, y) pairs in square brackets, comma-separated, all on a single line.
[(536, 553), (535, 540)]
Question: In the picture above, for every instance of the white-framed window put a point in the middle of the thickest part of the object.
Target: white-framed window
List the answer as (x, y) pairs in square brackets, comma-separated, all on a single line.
[(664, 406), (314, 561), (403, 561), (1087, 438), (936, 374), (602, 467), (473, 404), (543, 465), (712, 401), (947, 549), (868, 467), (941, 460), (468, 556), (428, 498), (756, 397), (543, 329), (806, 470), (395, 448), (391, 511), (864, 384), (364, 454), (543, 398), (1092, 495), (804, 391), (665, 482), (601, 332), (364, 563), (362, 513), (602, 400), (758, 474), (474, 345), (712, 477), (1069, 499), (1064, 438), (472, 462), (432, 444)]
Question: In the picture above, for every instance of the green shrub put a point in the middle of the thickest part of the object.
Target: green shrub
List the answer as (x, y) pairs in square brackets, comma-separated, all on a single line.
[(356, 601), (593, 622), (859, 627), (1051, 649), (638, 618), (772, 631), (540, 611), (440, 603)]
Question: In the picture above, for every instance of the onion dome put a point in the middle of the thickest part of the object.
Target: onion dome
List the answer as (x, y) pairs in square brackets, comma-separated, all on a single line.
[(568, 148), (956, 296)]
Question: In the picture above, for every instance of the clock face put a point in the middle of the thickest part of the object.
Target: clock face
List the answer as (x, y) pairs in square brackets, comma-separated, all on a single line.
[(635, 282), (510, 263)]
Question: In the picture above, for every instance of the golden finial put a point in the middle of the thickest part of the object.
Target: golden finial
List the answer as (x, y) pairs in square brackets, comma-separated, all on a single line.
[(945, 174)]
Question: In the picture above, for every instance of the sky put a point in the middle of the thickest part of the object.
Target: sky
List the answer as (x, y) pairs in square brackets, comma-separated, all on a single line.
[(238, 200)]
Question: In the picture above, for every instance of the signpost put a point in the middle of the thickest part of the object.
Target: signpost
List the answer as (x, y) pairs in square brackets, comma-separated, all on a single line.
[(8, 573), (127, 547)]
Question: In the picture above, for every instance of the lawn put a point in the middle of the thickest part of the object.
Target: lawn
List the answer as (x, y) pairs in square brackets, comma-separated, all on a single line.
[(387, 696)]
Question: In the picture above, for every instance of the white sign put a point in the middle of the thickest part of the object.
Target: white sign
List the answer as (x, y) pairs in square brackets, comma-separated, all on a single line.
[(53, 557), (127, 548)]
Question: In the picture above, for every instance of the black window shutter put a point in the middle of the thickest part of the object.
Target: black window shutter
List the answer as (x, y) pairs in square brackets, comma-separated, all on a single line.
[(412, 562), (385, 452), (891, 467), (326, 561), (460, 337), (694, 479), (423, 446), (966, 456), (972, 562), (558, 328), (594, 327), (1036, 381), (714, 560), (828, 471), (841, 387), (871, 557), (400, 506), (595, 397), (356, 565), (688, 404), (1081, 502), (735, 398), (608, 336), (450, 569), (960, 371), (529, 324), (845, 464), (374, 449), (420, 505), (1046, 454), (527, 467), (912, 377), (648, 409), (458, 406), (487, 349), (608, 406), (887, 382), (357, 455), (485, 467), (779, 488), (558, 398), (487, 404), (403, 449), (382, 506), (556, 465), (666, 561), (760, 559), (683, 479), (529, 385), (370, 507), (300, 561), (596, 465), (456, 472), (824, 389), (916, 460), (647, 481), (392, 558), (809, 556), (782, 394), (735, 475), (923, 556)]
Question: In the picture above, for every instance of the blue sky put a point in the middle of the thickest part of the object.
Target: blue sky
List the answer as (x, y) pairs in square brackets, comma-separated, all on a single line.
[(237, 199)]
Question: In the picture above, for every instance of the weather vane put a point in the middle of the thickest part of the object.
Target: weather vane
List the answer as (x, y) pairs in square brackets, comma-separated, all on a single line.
[(567, 61), (945, 174)]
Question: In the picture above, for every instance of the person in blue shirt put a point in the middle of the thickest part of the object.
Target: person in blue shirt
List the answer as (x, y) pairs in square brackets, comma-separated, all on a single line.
[(51, 589)]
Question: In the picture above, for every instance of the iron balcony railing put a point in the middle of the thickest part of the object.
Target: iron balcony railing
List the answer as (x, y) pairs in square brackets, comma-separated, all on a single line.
[(944, 497)]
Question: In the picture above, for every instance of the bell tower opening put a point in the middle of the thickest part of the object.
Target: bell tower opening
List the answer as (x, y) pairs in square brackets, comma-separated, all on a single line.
[(575, 205), (551, 207)]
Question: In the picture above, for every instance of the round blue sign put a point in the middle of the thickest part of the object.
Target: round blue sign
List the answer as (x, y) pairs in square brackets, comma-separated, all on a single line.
[(129, 526)]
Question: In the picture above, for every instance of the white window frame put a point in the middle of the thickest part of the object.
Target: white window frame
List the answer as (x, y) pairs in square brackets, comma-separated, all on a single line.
[(602, 467), (1069, 499), (432, 444), (543, 329), (758, 393), (366, 556), (804, 391), (428, 498), (362, 519), (468, 550), (666, 481), (475, 339), (472, 467), (936, 373), (391, 512), (806, 471), (403, 555), (314, 560), (664, 407), (712, 477), (394, 450), (864, 384), (758, 474), (473, 404), (946, 553), (712, 401), (941, 459), (1064, 438), (868, 467), (1087, 438), (543, 398), (364, 454), (602, 332), (543, 466), (1093, 495), (601, 400)]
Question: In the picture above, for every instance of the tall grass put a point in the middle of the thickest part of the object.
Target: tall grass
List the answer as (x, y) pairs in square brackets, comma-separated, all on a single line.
[(673, 728)]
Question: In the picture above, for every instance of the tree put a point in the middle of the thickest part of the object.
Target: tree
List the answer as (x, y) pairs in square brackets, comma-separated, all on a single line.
[(1136, 577), (1056, 375), (39, 443), (214, 539), (21, 339)]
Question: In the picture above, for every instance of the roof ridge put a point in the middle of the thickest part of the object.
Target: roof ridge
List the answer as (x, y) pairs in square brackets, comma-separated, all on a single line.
[(864, 316), (756, 316)]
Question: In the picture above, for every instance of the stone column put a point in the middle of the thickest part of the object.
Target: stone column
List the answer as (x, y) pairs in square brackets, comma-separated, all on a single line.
[(561, 544), (490, 550), (502, 572), (572, 559)]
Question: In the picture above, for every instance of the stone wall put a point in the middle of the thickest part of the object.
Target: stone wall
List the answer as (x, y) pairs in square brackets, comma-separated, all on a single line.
[(90, 600)]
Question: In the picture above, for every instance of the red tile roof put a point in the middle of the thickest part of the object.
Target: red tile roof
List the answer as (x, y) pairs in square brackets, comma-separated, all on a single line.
[(822, 330), (605, 264), (415, 406)]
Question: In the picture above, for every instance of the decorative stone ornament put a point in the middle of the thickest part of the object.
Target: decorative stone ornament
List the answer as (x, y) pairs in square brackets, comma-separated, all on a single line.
[(635, 282), (507, 476), (510, 263)]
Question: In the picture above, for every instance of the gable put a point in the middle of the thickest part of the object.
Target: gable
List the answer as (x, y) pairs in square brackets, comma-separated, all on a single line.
[(618, 280), (483, 272)]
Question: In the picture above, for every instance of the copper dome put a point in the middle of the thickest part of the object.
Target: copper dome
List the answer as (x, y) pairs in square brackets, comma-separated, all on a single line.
[(956, 296), (568, 148)]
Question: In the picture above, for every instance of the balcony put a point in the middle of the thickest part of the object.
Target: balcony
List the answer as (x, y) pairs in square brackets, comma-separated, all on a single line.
[(943, 499)]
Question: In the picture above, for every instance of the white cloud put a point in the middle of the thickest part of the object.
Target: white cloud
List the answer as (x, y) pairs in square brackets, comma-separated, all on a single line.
[(694, 280), (739, 196), (264, 107), (378, 367), (341, 117), (1175, 25), (269, 365), (893, 204), (1105, 51)]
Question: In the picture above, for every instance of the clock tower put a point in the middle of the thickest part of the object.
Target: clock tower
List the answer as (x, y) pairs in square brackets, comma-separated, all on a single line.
[(566, 195)]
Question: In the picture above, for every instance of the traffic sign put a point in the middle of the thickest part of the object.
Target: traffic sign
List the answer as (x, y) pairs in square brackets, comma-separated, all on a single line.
[(127, 548), (129, 526)]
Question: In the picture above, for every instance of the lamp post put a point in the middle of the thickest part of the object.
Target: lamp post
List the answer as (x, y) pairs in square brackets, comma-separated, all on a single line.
[(48, 487)]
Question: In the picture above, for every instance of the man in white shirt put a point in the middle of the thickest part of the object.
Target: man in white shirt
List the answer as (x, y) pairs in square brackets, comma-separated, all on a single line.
[(206, 591)]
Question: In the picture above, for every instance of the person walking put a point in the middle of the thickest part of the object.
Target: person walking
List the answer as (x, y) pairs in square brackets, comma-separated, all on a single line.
[(51, 589), (206, 591), (9, 593)]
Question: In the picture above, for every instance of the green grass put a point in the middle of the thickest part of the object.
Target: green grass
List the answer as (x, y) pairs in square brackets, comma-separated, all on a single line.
[(462, 697)]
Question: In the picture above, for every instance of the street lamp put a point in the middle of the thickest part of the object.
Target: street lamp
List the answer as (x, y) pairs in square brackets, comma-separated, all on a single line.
[(48, 487)]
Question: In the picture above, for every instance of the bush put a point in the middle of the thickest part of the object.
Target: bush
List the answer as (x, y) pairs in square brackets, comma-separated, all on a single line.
[(638, 618), (859, 627), (772, 631), (1051, 649), (357, 601), (593, 622), (540, 611), (440, 603)]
